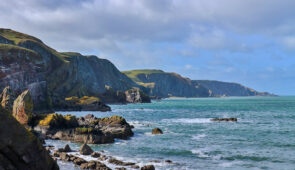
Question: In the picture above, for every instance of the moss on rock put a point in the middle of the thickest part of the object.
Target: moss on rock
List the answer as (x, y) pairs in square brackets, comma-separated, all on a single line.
[(55, 120)]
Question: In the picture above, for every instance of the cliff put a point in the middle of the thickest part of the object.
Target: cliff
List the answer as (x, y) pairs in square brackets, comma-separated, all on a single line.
[(51, 76), (162, 84), (19, 148), (219, 88)]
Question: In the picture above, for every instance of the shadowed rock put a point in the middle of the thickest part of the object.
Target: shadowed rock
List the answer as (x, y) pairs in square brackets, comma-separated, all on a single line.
[(23, 108), (157, 131), (224, 120), (85, 150), (148, 167)]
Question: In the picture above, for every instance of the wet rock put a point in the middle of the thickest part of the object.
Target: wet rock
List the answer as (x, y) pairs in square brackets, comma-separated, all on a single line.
[(65, 149), (148, 167), (135, 167), (94, 165), (168, 161), (157, 131), (156, 161), (79, 161), (95, 154), (224, 120), (121, 168), (64, 157), (85, 150), (118, 162)]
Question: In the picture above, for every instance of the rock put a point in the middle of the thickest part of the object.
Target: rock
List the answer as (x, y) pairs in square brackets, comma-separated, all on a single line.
[(79, 161), (65, 149), (224, 120), (157, 131), (168, 161), (135, 95), (7, 98), (63, 156), (121, 168), (156, 161), (135, 167), (94, 165), (95, 154), (23, 108), (118, 162), (19, 148), (85, 150), (148, 167)]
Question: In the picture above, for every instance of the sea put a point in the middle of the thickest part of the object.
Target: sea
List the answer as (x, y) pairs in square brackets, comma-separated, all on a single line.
[(262, 138)]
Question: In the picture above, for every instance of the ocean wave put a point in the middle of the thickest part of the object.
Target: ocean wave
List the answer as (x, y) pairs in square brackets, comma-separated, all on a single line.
[(198, 137), (188, 120)]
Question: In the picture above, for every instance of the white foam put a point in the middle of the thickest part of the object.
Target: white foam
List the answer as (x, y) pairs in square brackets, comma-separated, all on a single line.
[(188, 120), (198, 137)]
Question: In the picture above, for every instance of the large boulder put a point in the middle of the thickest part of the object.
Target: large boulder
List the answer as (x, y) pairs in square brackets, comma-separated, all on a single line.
[(23, 108), (85, 150), (148, 167), (135, 95), (7, 98), (19, 148)]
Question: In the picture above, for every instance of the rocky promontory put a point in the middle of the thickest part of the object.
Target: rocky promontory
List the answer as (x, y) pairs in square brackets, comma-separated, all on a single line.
[(87, 129)]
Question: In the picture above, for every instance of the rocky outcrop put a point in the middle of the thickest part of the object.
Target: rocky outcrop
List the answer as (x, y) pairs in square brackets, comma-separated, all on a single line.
[(20, 149), (88, 129), (224, 119), (84, 103), (23, 108), (161, 84), (7, 98), (148, 167), (157, 131), (220, 89), (135, 95), (85, 150)]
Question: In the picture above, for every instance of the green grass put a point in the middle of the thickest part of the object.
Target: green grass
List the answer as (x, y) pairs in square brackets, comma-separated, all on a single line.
[(16, 37), (134, 73)]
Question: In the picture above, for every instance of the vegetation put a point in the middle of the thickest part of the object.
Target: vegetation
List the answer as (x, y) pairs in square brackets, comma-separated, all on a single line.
[(55, 120), (134, 73), (85, 100)]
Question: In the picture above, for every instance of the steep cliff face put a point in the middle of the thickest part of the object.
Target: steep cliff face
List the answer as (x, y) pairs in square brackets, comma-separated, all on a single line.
[(219, 88), (20, 149), (162, 84), (27, 63)]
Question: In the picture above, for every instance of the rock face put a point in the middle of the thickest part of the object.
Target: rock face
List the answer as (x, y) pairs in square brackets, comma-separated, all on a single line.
[(148, 167), (23, 108), (157, 131), (7, 98), (85, 150), (135, 95), (88, 129), (219, 88), (27, 63), (20, 149), (162, 84)]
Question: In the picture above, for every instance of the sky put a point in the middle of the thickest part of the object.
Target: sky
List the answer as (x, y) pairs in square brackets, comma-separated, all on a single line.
[(251, 42)]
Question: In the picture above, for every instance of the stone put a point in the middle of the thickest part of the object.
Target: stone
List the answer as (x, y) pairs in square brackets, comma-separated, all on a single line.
[(118, 162), (85, 150), (7, 98), (224, 120), (23, 108), (95, 154), (79, 161), (157, 131), (148, 167), (135, 95), (135, 167), (65, 149), (168, 161)]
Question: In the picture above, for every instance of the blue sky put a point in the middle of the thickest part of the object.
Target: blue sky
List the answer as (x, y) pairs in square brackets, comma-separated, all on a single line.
[(246, 41)]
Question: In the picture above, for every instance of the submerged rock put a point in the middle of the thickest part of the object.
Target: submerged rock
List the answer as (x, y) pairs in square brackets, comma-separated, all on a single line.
[(157, 131), (85, 150), (224, 120), (23, 108), (148, 167), (19, 148), (95, 155)]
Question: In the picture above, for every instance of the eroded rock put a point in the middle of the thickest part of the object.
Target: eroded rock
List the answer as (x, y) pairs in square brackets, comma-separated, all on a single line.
[(157, 131)]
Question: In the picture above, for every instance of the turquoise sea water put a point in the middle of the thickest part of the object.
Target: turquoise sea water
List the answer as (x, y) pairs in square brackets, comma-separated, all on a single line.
[(263, 137)]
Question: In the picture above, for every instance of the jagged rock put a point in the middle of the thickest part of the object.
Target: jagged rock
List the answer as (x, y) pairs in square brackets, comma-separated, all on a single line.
[(94, 165), (135, 167), (168, 161), (148, 167), (20, 149), (65, 149), (224, 120), (85, 150), (23, 108), (157, 131), (95, 154), (135, 95), (7, 98), (118, 162), (79, 161), (121, 168)]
